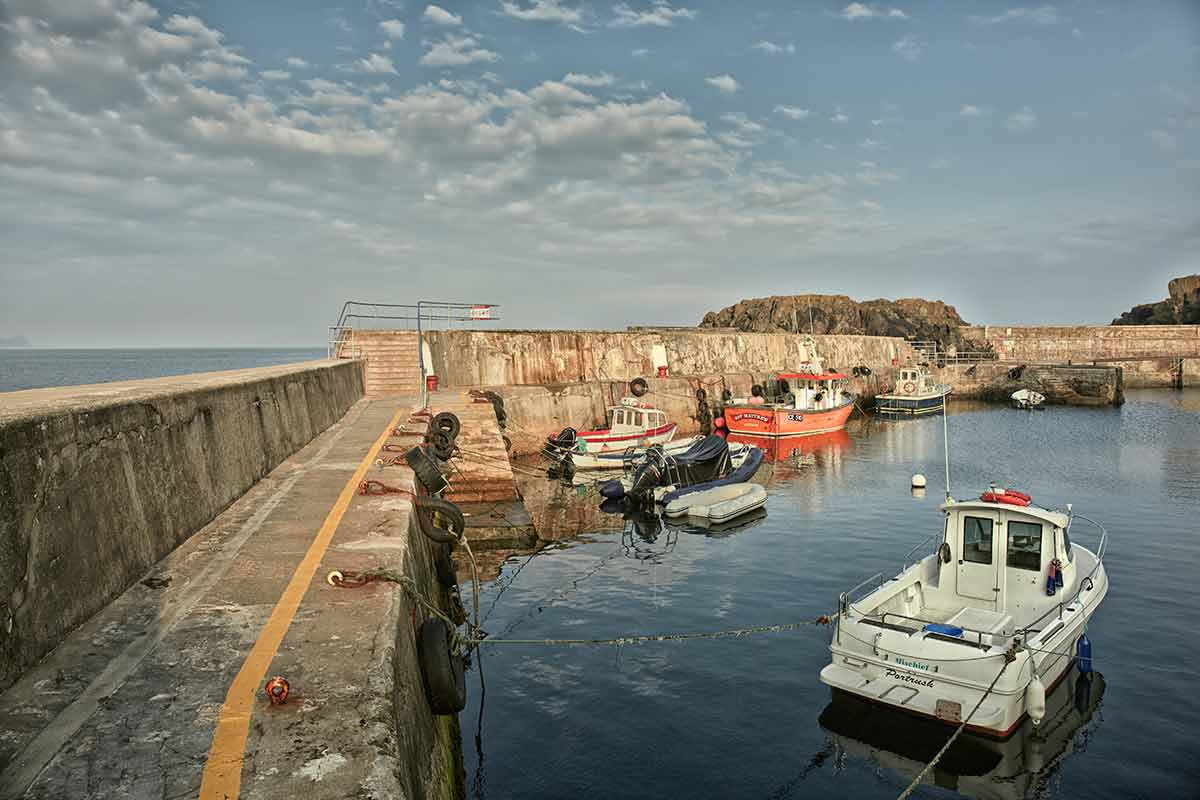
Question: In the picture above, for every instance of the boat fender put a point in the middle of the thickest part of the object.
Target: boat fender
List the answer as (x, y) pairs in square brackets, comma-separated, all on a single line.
[(944, 552), (1083, 654), (426, 470), (1056, 565), (701, 395), (443, 670), (1035, 699), (638, 387), (1083, 692), (440, 444), (612, 490), (1050, 587)]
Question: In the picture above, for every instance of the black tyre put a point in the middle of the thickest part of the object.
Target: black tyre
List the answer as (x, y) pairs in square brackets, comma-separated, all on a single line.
[(507, 443), (445, 679), (638, 387), (864, 371), (426, 470), (440, 444), (756, 390), (447, 423), (451, 517), (701, 395), (445, 567), (726, 395)]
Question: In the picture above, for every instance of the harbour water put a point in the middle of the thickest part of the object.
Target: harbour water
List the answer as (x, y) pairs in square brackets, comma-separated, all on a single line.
[(36, 368), (748, 717)]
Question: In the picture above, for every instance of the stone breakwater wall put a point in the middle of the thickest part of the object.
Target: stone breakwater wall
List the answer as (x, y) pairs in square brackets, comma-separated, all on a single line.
[(1076, 385), (1151, 353), (97, 483), (514, 358)]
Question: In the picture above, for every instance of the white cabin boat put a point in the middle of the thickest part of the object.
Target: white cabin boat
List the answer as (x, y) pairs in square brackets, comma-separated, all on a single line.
[(630, 424), (915, 394), (933, 638), (1028, 399)]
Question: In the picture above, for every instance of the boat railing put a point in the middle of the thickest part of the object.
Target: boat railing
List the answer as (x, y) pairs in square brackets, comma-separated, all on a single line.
[(850, 595), (1085, 583), (979, 634), (917, 547)]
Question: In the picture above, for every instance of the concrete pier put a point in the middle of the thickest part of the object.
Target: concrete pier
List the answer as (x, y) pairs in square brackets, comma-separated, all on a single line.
[(160, 693)]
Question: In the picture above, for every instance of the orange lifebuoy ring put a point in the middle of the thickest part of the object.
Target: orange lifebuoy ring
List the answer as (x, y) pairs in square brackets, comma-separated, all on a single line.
[(910, 387), (1009, 496)]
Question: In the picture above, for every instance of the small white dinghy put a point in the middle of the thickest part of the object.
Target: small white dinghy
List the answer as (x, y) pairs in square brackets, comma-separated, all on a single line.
[(719, 504), (1027, 399)]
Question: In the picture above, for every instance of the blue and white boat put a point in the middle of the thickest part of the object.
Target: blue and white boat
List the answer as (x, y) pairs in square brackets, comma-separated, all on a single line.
[(915, 394)]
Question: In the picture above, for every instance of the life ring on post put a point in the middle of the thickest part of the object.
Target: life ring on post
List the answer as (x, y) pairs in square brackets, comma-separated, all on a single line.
[(910, 387)]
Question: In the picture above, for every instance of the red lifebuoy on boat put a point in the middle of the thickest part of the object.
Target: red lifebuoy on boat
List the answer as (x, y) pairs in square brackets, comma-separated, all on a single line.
[(1010, 496), (910, 387)]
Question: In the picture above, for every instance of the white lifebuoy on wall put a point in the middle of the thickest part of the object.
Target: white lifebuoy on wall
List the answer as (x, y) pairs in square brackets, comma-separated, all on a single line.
[(910, 387)]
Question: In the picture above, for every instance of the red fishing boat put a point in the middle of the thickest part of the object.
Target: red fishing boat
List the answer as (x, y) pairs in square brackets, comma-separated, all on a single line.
[(807, 403)]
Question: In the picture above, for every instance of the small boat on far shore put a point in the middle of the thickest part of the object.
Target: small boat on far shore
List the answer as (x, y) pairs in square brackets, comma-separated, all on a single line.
[(915, 394), (1027, 399)]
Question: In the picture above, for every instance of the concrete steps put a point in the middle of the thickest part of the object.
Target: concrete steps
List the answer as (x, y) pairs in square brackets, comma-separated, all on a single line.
[(393, 362)]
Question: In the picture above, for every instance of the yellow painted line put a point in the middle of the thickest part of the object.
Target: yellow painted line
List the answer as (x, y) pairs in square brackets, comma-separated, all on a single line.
[(223, 770)]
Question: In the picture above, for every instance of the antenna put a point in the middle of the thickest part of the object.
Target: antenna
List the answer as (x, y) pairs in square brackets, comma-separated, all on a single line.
[(946, 442)]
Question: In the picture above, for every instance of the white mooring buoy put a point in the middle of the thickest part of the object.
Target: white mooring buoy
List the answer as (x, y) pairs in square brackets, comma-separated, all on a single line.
[(918, 481)]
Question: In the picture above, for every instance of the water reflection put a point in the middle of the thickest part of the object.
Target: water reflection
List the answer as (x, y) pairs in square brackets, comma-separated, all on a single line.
[(797, 449), (975, 766)]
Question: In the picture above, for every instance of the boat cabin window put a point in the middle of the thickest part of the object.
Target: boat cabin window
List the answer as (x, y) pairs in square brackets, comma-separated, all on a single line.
[(637, 418), (618, 417), (1066, 543), (1025, 545), (977, 540)]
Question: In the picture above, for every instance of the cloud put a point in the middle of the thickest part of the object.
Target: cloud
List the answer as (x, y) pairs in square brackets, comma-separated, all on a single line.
[(641, 52), (440, 16), (392, 28), (275, 74), (457, 51), (1022, 120), (870, 144), (591, 81), (871, 174), (723, 83), (743, 123), (877, 123), (774, 49), (297, 63), (870, 205), (794, 112), (1042, 15), (1163, 139), (970, 111), (858, 11), (659, 15), (1076, 33), (839, 117), (375, 64), (544, 11), (909, 47)]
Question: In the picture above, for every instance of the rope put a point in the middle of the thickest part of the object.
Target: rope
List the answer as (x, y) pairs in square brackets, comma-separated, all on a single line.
[(1009, 657), (621, 641)]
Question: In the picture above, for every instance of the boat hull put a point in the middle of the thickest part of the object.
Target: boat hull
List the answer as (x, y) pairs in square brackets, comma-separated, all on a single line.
[(896, 405), (774, 421)]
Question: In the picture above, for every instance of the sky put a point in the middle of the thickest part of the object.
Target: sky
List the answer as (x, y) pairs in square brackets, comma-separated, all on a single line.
[(228, 173)]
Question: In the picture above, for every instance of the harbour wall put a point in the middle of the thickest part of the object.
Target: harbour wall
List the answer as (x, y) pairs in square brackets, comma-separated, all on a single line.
[(515, 358), (1150, 355), (97, 483), (1077, 385)]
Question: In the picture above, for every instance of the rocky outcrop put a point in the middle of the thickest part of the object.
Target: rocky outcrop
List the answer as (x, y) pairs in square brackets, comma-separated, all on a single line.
[(910, 318), (1182, 306)]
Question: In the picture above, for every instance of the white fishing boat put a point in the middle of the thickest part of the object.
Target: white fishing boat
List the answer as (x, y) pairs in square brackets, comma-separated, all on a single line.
[(915, 394), (633, 423), (617, 459), (1027, 399), (993, 618), (719, 504)]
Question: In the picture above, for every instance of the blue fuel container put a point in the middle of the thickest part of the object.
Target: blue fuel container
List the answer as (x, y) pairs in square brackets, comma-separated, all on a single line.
[(1050, 585), (1083, 654)]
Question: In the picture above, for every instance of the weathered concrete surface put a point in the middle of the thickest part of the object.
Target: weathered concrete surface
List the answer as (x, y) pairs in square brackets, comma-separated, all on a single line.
[(126, 706), (1152, 352), (481, 470), (99, 482), (393, 366), (497, 358), (1080, 385)]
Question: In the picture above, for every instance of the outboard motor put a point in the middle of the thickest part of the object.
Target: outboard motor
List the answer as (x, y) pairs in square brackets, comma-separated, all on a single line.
[(645, 480), (566, 438)]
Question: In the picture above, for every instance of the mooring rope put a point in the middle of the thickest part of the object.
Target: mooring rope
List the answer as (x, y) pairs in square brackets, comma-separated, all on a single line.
[(1009, 657)]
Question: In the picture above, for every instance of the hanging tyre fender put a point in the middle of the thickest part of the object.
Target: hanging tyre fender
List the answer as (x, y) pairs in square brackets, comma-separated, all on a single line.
[(426, 470), (726, 396), (444, 566), (701, 395), (440, 444), (638, 387), (447, 423), (442, 669), (451, 512)]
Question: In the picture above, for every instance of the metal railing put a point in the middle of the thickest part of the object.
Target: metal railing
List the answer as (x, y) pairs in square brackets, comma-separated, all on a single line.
[(931, 351)]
